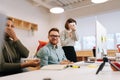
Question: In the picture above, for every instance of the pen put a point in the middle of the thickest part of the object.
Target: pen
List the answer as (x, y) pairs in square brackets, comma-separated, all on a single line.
[(74, 66)]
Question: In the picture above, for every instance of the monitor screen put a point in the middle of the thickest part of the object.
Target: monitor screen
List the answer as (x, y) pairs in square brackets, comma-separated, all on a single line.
[(101, 46)]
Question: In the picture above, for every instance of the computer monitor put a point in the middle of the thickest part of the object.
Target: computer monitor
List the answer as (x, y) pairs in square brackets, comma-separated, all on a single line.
[(101, 45)]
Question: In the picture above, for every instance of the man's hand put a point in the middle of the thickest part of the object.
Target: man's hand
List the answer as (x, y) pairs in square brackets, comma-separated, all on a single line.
[(66, 62)]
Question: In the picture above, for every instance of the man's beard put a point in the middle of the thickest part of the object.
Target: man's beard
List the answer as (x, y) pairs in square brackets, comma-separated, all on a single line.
[(53, 43)]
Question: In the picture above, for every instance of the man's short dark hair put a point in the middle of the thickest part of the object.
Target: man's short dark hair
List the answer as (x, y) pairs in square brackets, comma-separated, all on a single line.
[(53, 29), (9, 19)]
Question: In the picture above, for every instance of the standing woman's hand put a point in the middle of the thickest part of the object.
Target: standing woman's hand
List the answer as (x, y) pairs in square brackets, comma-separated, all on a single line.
[(73, 26)]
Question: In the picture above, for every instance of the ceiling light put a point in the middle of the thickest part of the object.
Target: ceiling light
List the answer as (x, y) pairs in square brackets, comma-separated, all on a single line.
[(57, 10), (98, 1)]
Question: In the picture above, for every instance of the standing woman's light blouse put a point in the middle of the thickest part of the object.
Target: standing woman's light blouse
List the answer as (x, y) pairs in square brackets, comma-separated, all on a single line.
[(67, 40)]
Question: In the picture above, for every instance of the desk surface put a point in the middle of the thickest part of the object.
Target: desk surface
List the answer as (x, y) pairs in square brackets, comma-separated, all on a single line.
[(83, 73)]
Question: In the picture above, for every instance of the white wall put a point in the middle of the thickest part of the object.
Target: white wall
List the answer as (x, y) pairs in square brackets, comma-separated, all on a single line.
[(108, 13), (58, 20), (23, 10), (109, 20)]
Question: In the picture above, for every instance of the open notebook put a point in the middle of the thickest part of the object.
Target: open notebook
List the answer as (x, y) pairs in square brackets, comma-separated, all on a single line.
[(54, 67)]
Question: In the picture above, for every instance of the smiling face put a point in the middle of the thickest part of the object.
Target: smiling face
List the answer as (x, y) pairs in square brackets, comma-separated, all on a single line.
[(53, 37)]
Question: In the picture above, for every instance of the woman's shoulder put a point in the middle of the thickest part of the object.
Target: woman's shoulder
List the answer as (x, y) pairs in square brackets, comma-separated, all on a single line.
[(63, 32)]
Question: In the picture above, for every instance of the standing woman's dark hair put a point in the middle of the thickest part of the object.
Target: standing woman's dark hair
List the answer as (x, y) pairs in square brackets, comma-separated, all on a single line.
[(68, 38), (70, 20)]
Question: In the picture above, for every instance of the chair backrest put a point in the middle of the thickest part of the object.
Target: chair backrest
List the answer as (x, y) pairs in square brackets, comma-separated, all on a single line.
[(41, 44), (118, 46)]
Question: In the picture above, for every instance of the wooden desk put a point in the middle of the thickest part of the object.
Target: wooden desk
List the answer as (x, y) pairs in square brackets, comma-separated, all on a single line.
[(111, 53), (83, 55)]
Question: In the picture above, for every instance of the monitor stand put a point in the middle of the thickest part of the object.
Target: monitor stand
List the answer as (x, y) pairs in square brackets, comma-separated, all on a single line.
[(105, 59)]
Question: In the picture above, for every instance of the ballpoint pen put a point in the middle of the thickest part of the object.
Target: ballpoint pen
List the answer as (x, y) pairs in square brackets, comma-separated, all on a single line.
[(74, 66)]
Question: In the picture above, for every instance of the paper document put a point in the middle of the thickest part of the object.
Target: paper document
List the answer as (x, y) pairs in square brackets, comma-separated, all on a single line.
[(54, 67)]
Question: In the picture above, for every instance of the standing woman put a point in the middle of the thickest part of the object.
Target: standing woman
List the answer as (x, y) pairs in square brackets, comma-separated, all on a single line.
[(68, 38)]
